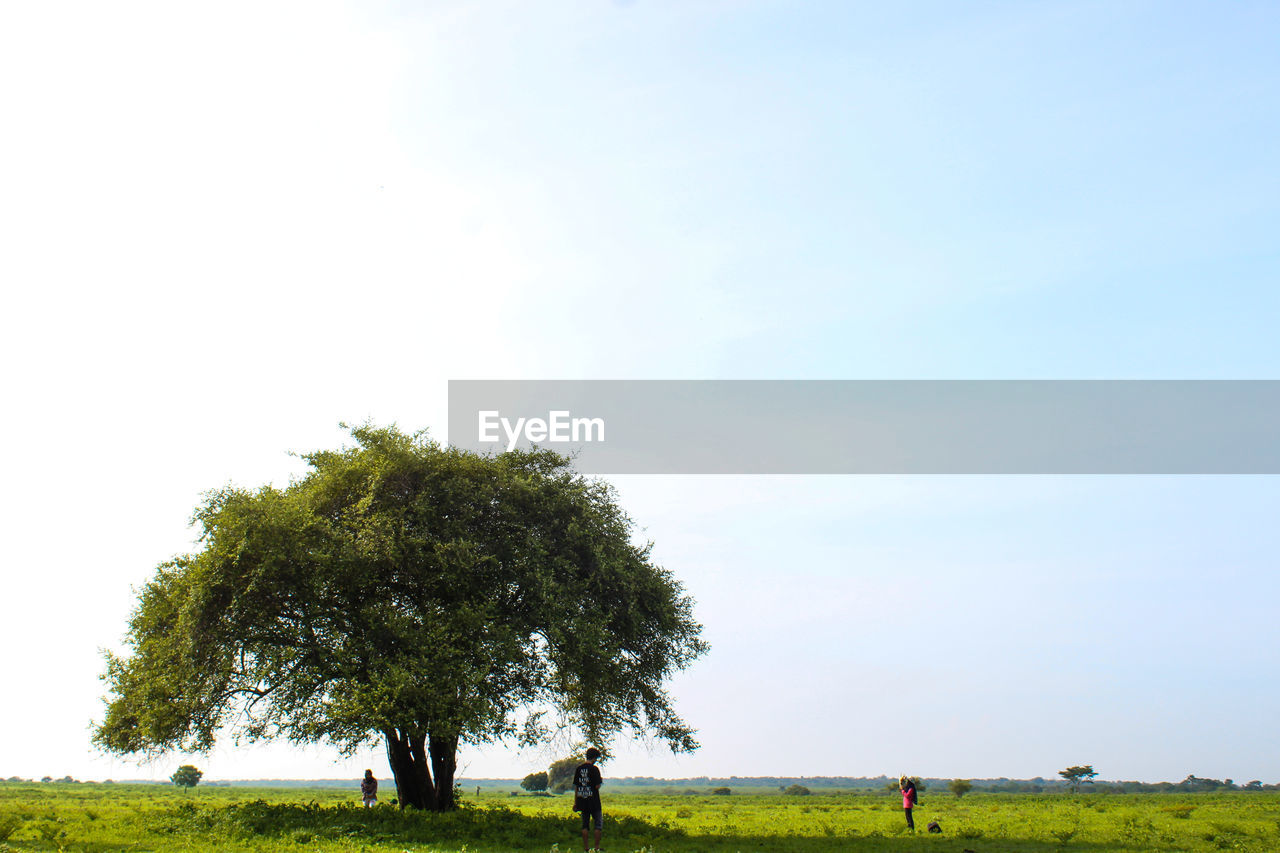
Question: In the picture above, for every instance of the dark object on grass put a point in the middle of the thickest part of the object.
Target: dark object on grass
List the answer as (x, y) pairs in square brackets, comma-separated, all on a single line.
[(934, 826)]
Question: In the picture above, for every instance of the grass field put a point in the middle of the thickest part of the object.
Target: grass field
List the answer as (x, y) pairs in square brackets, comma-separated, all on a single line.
[(89, 817)]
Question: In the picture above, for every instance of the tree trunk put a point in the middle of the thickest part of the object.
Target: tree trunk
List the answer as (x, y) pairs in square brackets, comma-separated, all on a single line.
[(409, 754), (408, 760), (444, 761)]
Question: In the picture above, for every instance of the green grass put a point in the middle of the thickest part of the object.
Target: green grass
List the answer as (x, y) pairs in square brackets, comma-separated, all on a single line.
[(100, 818)]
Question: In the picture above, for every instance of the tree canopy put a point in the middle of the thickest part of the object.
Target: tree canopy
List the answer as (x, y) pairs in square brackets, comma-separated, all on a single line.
[(560, 773), (535, 781), (403, 591), (1077, 774), (186, 776)]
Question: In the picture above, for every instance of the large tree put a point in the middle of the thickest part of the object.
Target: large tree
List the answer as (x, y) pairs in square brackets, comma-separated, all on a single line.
[(1078, 774), (560, 773), (187, 776), (412, 593)]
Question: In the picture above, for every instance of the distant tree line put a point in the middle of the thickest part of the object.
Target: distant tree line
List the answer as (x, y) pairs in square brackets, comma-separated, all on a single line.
[(1190, 784), (1002, 785)]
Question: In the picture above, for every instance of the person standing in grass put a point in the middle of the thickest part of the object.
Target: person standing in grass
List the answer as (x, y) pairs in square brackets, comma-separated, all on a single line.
[(586, 798), (908, 789), (369, 789)]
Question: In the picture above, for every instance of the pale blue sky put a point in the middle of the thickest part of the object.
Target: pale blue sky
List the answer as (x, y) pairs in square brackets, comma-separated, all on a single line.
[(227, 228)]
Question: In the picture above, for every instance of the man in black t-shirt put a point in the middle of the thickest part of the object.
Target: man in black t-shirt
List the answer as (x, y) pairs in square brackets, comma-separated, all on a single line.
[(586, 797)]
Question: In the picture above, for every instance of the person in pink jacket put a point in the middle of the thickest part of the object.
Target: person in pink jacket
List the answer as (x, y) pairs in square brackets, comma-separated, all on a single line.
[(908, 789)]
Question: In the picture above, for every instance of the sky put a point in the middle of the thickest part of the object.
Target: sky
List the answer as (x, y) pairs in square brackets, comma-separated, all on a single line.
[(229, 227)]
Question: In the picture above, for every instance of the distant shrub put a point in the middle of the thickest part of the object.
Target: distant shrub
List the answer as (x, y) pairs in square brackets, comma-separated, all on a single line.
[(722, 791), (797, 791), (536, 781)]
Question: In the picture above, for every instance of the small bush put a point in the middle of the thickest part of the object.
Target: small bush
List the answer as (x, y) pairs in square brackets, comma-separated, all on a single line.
[(8, 825), (797, 791), (48, 830)]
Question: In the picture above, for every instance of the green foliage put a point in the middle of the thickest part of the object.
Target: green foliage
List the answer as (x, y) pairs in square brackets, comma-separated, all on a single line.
[(1078, 774), (160, 819), (560, 774), (186, 776), (723, 792), (960, 787), (535, 781), (797, 791), (405, 591)]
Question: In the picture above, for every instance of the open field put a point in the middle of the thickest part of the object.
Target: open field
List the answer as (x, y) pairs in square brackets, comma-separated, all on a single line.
[(89, 817)]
